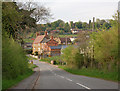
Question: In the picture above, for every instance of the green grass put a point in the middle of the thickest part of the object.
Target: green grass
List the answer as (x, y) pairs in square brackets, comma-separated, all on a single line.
[(31, 58), (45, 60), (7, 83), (71, 35), (113, 76), (48, 59), (11, 82), (32, 66)]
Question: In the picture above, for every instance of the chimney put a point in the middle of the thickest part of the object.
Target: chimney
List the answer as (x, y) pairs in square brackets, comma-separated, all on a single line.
[(51, 37), (45, 33), (37, 34)]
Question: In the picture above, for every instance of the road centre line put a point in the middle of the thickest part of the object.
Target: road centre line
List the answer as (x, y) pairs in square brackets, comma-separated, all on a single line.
[(62, 76), (68, 79), (83, 86)]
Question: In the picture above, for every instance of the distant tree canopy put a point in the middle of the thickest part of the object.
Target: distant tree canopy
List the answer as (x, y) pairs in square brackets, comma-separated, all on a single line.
[(66, 26)]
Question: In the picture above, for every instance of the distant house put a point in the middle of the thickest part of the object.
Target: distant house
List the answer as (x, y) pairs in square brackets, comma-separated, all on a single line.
[(45, 45), (75, 31), (72, 39), (63, 41)]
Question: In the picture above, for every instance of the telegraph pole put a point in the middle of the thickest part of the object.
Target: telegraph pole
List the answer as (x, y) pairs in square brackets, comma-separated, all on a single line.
[(93, 24)]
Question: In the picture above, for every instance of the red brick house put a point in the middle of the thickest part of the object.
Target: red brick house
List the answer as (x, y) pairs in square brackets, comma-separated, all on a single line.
[(45, 45)]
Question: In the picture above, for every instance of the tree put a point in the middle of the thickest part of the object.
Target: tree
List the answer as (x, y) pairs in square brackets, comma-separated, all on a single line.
[(40, 13), (78, 25), (106, 25), (11, 18), (67, 27), (85, 25), (72, 24)]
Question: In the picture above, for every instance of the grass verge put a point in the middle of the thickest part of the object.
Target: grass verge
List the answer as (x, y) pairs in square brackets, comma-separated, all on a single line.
[(7, 83), (113, 76)]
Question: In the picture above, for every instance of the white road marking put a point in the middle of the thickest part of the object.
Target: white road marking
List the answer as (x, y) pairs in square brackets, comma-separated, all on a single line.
[(68, 79), (62, 76), (83, 85)]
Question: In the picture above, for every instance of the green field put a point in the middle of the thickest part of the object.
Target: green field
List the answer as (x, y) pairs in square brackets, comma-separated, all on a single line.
[(71, 35)]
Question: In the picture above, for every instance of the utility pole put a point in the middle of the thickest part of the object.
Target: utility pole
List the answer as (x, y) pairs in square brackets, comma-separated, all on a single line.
[(66, 40), (93, 24), (92, 40)]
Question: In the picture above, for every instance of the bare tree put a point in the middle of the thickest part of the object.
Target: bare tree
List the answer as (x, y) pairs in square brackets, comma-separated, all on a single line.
[(40, 14)]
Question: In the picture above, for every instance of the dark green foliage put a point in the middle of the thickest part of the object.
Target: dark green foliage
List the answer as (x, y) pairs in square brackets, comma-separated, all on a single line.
[(78, 25), (15, 20)]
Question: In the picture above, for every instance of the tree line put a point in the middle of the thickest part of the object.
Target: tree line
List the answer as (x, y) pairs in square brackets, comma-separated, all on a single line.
[(65, 27)]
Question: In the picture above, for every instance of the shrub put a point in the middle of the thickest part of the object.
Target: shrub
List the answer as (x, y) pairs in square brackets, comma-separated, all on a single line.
[(14, 59)]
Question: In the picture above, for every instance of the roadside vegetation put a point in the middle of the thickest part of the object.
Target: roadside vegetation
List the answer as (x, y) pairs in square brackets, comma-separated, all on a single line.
[(16, 22), (15, 65), (95, 56)]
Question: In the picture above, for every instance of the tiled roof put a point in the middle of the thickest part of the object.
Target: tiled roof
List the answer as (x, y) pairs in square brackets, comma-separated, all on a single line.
[(45, 40), (64, 40), (38, 39), (55, 47)]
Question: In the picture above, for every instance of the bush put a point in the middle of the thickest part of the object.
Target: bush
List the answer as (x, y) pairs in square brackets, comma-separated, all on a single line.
[(14, 59)]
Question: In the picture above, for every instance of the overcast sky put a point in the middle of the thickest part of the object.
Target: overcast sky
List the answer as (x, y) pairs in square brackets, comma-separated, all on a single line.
[(81, 10)]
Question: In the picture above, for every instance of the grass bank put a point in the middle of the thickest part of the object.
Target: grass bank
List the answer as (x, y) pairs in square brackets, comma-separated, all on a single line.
[(11, 82), (113, 76), (7, 83), (48, 59)]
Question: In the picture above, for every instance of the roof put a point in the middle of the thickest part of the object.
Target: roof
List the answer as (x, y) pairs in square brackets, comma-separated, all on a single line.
[(55, 47), (64, 40), (38, 39), (45, 40)]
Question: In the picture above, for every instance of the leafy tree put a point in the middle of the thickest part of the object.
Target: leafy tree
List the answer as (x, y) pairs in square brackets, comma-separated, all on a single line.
[(72, 25), (78, 25), (85, 25), (67, 27)]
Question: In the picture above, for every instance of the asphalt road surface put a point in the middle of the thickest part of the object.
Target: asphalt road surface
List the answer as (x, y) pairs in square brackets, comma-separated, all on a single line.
[(48, 76)]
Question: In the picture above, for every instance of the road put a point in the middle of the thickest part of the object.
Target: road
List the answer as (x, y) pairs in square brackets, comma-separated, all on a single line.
[(51, 77)]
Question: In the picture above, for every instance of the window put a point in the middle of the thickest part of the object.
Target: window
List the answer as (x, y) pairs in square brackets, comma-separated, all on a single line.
[(38, 44), (34, 48)]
